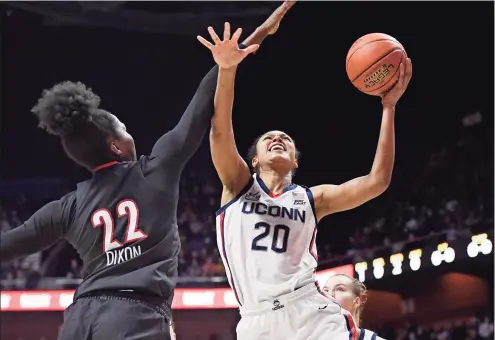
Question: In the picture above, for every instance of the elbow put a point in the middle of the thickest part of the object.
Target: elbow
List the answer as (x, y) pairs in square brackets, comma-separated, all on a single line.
[(381, 187), (380, 182), (215, 132), (213, 136)]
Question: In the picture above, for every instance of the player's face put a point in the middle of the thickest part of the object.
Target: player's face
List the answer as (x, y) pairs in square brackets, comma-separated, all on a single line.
[(340, 288), (275, 147), (123, 146)]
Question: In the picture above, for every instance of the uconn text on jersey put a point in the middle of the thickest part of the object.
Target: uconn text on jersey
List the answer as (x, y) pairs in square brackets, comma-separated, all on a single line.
[(260, 208)]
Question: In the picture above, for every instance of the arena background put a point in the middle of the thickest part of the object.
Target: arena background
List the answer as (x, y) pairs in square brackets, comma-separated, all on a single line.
[(424, 248)]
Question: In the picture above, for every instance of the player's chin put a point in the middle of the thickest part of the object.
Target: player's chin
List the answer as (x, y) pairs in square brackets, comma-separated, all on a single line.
[(281, 161), (279, 156)]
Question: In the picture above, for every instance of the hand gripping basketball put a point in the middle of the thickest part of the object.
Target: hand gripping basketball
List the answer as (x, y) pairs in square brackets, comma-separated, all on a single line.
[(392, 97), (226, 52)]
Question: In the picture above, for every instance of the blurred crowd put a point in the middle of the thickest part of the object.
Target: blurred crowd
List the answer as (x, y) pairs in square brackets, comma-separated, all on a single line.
[(475, 328), (12, 214), (451, 192), (198, 201)]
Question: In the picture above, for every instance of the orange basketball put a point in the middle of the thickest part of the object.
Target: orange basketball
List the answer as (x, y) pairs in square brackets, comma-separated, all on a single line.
[(373, 61)]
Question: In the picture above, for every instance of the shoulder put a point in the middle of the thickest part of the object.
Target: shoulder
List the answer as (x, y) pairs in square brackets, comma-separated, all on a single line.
[(67, 206), (301, 190), (57, 212), (62, 204), (308, 190), (68, 198), (149, 165), (319, 191), (299, 199), (229, 198)]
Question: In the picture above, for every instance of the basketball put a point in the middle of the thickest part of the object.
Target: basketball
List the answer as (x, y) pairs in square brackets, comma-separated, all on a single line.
[(373, 61)]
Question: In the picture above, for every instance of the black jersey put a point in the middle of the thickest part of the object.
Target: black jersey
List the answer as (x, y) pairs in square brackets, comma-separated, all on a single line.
[(122, 221)]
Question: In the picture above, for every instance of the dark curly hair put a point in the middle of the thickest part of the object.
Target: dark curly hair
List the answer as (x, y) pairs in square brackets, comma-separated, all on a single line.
[(252, 152), (71, 111)]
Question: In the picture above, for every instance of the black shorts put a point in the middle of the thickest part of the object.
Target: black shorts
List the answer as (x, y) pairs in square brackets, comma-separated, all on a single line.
[(107, 317)]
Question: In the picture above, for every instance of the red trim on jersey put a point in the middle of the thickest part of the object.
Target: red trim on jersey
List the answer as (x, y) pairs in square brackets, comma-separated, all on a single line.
[(135, 227), (103, 166), (222, 234), (351, 324), (312, 245), (274, 195), (101, 223)]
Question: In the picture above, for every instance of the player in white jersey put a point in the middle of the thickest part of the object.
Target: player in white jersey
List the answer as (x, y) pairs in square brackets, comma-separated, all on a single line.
[(266, 228), (351, 294)]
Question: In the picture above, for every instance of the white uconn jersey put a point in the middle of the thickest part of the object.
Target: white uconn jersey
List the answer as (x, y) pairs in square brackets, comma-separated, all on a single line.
[(267, 243)]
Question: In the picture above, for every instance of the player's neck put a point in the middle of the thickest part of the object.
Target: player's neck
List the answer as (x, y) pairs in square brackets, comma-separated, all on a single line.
[(275, 182)]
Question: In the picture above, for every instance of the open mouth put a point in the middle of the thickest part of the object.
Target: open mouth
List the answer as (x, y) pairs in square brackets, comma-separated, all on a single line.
[(277, 147)]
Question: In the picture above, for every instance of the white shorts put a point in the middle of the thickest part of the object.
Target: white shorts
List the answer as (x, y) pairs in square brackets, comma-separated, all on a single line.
[(305, 314)]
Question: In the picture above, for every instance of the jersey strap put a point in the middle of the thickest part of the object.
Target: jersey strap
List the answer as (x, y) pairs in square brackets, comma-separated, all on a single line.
[(309, 193), (367, 335), (235, 199), (361, 333)]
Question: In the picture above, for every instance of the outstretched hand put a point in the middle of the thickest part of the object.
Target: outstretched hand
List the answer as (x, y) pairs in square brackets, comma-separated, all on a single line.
[(226, 52), (392, 97), (273, 22)]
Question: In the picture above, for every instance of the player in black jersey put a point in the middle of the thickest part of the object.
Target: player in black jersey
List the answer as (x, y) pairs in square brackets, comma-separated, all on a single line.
[(123, 220)]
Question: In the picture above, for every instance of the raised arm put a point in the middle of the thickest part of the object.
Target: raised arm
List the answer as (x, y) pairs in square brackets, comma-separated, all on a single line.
[(231, 167), (224, 152), (177, 146), (334, 198), (41, 230)]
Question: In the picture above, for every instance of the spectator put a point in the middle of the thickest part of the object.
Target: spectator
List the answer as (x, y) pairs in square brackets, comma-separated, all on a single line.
[(74, 270), (485, 329), (194, 269)]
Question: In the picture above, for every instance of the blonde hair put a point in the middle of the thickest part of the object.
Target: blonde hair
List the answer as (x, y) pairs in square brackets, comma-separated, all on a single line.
[(359, 290)]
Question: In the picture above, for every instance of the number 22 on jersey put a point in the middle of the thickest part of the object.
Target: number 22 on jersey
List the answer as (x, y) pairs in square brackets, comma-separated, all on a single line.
[(104, 218)]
